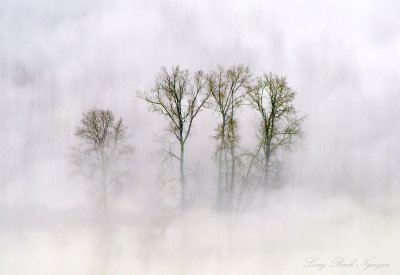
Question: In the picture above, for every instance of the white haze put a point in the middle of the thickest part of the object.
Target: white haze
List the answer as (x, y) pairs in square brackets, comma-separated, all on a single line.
[(340, 192)]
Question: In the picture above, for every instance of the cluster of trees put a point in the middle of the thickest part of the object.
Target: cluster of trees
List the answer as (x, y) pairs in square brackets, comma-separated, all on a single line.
[(179, 96)]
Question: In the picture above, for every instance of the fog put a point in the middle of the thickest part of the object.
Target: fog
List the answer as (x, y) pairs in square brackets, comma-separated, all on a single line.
[(339, 192)]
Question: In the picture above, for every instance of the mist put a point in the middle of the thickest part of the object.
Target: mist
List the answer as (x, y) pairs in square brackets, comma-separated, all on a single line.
[(338, 194)]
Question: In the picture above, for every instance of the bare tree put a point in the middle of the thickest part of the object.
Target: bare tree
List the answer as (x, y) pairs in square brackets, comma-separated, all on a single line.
[(226, 87), (102, 150), (179, 97), (279, 123), (249, 164)]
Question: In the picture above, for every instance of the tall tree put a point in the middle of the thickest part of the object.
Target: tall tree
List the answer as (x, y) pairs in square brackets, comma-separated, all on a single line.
[(102, 150), (179, 97), (227, 90), (279, 123)]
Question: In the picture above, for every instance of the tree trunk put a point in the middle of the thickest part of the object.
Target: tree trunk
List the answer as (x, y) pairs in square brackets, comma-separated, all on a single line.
[(226, 174), (232, 129), (104, 167), (266, 171), (182, 176), (219, 195), (271, 129), (220, 164), (232, 176), (265, 178), (104, 190)]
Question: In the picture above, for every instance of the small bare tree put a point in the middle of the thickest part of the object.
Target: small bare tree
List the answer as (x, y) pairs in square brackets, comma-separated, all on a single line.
[(227, 90), (279, 123), (179, 97), (102, 150)]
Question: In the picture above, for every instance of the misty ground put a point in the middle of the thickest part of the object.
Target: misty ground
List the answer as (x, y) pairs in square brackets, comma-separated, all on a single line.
[(293, 227)]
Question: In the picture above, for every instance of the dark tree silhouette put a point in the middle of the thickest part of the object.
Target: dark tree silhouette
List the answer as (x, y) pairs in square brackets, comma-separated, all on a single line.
[(100, 155), (227, 91), (279, 123), (179, 97)]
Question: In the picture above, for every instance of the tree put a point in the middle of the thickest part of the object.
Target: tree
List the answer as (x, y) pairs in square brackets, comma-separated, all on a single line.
[(227, 90), (179, 97), (279, 123), (102, 150)]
